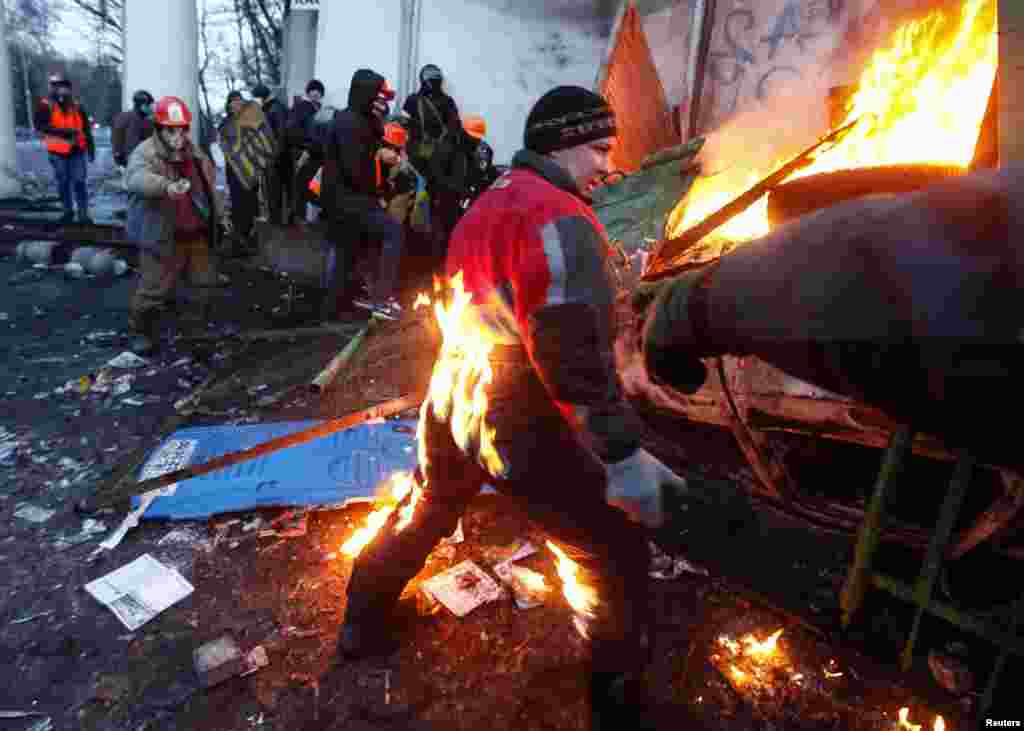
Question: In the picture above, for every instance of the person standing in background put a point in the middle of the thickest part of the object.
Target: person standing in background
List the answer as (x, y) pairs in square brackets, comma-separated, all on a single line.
[(277, 177), (67, 132), (307, 155)]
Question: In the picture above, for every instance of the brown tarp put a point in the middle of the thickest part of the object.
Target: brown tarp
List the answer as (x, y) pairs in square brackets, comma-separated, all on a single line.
[(634, 89)]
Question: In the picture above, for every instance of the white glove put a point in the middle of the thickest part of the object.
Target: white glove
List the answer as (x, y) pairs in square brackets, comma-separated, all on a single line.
[(638, 484), (179, 187)]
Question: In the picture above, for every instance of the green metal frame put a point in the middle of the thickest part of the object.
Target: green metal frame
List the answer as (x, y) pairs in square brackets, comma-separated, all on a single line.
[(861, 575)]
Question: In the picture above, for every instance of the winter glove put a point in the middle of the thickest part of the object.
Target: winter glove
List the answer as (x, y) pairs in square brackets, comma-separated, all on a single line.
[(639, 485), (178, 188), (671, 353)]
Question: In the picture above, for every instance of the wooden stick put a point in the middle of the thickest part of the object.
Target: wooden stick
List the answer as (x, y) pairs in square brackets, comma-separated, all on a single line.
[(289, 440), (326, 377), (109, 492), (671, 248)]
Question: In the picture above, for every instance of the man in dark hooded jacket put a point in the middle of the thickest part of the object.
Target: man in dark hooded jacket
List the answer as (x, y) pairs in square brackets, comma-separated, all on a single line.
[(353, 185), (434, 116)]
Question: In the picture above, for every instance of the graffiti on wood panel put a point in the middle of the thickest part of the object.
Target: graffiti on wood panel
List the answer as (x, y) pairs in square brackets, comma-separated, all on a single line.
[(757, 50)]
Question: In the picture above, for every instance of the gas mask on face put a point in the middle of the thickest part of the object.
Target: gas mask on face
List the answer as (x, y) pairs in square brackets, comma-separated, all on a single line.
[(174, 138)]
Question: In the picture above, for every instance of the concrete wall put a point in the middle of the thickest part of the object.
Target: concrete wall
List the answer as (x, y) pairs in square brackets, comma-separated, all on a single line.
[(499, 56), (162, 51), (9, 185), (351, 36), (299, 58)]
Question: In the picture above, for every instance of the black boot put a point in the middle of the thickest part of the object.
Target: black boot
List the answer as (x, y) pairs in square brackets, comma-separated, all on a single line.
[(363, 640), (146, 326)]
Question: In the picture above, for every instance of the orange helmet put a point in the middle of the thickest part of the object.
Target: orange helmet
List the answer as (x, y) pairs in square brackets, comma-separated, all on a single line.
[(475, 126), (395, 134), (172, 112)]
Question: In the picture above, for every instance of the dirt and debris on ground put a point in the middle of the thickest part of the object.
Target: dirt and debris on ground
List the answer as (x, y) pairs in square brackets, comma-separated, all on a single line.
[(281, 587)]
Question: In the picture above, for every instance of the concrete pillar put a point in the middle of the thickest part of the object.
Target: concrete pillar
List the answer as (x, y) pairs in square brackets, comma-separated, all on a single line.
[(349, 40), (162, 51), (1011, 80), (299, 61), (9, 185)]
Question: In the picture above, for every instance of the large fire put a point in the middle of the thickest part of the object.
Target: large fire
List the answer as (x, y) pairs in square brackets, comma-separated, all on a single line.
[(920, 99), (461, 374)]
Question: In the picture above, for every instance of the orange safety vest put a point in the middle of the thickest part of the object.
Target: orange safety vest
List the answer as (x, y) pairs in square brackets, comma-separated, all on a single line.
[(71, 119)]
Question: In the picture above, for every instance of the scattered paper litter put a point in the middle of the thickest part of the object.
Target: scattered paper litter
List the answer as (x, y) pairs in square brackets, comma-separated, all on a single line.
[(528, 587), (463, 588), (140, 590), (127, 360), (90, 529), (170, 456), (185, 536), (33, 513)]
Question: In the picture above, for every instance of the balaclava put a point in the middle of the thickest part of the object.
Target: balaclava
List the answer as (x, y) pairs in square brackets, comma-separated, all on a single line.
[(565, 117), (431, 79)]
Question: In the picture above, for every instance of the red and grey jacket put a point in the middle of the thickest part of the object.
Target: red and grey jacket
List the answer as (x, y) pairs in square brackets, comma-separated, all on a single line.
[(534, 258)]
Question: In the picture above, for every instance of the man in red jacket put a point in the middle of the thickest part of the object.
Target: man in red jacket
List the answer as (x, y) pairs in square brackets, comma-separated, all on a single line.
[(558, 435)]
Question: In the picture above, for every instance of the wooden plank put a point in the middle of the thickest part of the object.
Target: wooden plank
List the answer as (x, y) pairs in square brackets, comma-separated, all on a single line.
[(859, 577), (937, 546), (660, 265), (388, 408)]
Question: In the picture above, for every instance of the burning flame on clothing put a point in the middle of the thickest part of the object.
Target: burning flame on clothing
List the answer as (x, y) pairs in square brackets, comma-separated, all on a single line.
[(582, 598), (921, 99), (461, 374), (401, 484)]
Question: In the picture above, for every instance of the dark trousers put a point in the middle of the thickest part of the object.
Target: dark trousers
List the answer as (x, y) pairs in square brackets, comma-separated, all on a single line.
[(546, 467), (244, 204), (444, 215), (277, 183), (303, 175), (69, 171)]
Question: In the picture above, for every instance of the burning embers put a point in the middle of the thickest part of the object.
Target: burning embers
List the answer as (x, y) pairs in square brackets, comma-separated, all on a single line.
[(776, 681), (921, 99)]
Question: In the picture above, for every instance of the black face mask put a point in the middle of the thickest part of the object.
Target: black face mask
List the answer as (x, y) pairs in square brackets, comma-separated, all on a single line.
[(433, 86)]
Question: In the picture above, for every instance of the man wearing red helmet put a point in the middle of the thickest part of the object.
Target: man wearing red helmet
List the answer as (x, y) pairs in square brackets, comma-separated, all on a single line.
[(353, 186), (173, 212)]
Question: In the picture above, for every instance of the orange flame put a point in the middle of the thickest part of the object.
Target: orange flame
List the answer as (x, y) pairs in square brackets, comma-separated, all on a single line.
[(761, 650), (920, 99), (401, 484), (461, 374), (582, 598)]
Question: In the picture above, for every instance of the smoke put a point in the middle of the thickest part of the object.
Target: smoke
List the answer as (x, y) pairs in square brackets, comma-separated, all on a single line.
[(783, 103), (771, 132)]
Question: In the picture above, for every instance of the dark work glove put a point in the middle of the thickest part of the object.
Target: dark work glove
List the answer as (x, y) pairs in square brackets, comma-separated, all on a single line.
[(671, 350)]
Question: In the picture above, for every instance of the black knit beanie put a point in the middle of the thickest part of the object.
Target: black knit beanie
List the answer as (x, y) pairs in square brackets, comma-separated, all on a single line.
[(565, 117), (315, 85)]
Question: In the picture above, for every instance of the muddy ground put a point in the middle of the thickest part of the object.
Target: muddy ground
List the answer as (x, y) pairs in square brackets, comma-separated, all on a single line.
[(500, 666)]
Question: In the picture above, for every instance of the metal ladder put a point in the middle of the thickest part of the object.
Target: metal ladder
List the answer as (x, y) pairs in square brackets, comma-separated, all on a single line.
[(861, 576)]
